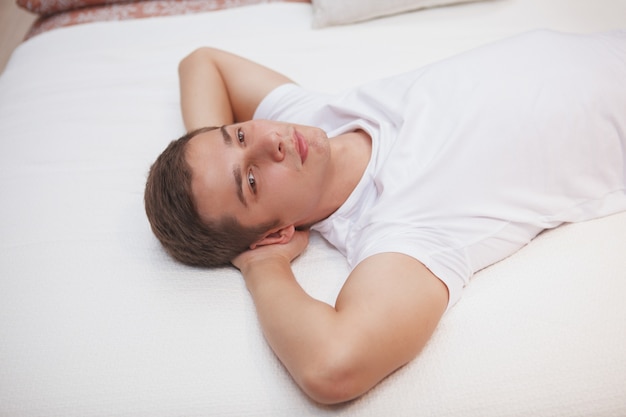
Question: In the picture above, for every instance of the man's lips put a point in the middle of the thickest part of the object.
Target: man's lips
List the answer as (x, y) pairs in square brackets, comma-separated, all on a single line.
[(301, 146)]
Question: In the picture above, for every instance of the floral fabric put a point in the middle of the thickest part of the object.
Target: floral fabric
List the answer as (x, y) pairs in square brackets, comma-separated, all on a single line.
[(61, 13)]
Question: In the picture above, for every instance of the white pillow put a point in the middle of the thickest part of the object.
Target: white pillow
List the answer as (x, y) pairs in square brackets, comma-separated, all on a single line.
[(339, 12)]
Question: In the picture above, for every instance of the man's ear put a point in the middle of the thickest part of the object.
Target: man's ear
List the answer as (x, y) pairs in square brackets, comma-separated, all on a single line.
[(279, 236)]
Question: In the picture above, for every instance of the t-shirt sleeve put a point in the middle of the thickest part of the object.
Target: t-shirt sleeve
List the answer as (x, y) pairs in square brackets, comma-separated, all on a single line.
[(437, 250), (294, 104)]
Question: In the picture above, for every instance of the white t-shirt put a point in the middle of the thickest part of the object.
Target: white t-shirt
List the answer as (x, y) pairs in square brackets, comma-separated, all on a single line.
[(475, 155)]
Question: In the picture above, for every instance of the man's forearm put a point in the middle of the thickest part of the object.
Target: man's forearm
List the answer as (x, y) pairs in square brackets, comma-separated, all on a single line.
[(299, 328), (203, 94)]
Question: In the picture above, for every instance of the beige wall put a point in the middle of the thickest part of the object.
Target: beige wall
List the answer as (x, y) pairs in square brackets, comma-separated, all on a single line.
[(14, 23)]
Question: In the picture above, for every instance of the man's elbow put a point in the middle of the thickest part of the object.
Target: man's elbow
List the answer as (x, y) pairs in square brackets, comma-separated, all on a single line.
[(333, 381), (194, 58)]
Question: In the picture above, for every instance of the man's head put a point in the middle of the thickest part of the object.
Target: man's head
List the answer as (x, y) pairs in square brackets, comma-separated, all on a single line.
[(174, 218), (217, 192)]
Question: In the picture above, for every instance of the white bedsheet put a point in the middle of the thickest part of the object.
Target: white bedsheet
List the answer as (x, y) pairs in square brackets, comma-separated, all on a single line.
[(96, 320)]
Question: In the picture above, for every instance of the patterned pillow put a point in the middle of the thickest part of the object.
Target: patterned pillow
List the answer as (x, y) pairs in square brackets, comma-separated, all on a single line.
[(61, 13), (48, 7)]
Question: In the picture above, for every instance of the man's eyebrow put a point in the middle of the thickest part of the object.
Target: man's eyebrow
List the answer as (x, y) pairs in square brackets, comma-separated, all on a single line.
[(238, 182), (227, 139)]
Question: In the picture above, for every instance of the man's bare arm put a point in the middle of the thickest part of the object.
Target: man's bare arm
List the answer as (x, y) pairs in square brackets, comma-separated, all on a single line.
[(384, 315), (219, 88)]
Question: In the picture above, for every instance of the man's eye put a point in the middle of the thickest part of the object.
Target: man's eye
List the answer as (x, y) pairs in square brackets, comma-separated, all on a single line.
[(251, 180), (240, 136)]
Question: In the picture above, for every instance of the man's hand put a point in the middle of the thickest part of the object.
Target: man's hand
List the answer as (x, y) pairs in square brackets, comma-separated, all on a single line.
[(285, 252)]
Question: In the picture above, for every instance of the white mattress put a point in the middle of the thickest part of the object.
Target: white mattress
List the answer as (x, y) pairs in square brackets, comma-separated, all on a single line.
[(96, 320)]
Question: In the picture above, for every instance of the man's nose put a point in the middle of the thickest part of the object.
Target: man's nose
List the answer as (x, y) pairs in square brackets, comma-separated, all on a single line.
[(275, 147)]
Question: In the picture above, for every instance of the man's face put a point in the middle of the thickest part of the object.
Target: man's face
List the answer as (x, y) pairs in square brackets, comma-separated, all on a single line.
[(259, 171)]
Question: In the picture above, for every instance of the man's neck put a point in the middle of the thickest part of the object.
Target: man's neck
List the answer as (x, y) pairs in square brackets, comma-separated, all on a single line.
[(350, 154)]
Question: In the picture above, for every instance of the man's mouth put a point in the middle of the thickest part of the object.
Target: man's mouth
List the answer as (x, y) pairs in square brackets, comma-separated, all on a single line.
[(301, 146)]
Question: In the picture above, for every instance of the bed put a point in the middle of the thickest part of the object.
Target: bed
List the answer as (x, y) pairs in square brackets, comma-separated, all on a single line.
[(96, 319)]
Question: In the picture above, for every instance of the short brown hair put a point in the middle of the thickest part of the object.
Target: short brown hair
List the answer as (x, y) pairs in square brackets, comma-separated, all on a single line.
[(175, 220)]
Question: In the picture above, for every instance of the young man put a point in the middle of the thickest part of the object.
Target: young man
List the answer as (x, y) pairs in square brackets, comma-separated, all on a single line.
[(429, 177)]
